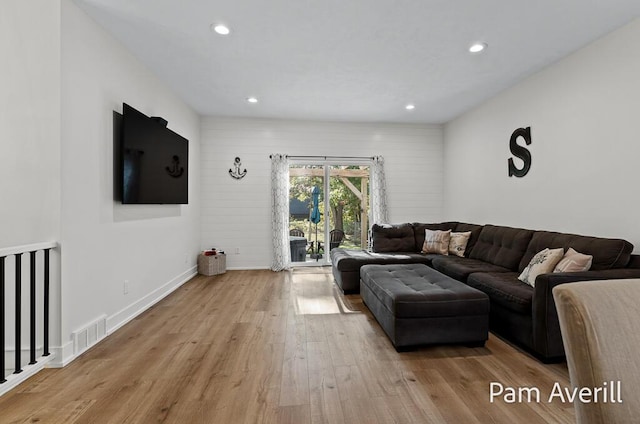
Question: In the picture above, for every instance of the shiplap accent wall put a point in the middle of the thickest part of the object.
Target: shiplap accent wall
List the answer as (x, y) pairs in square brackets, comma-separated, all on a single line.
[(237, 214)]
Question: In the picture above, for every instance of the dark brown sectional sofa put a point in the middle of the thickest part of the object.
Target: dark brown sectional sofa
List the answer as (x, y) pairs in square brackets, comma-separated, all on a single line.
[(494, 258)]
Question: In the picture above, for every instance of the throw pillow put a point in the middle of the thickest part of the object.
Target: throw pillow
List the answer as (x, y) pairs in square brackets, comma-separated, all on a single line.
[(458, 243), (542, 263), (574, 262), (436, 242)]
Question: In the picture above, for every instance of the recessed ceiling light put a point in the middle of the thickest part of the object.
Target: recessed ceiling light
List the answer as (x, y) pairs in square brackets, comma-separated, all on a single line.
[(252, 100), (477, 47), (221, 29), (410, 106)]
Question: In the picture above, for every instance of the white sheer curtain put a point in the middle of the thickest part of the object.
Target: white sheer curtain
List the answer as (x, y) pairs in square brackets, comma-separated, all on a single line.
[(379, 213), (280, 212)]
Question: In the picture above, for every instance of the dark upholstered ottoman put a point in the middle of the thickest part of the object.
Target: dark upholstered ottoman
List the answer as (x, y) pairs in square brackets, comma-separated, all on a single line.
[(417, 305)]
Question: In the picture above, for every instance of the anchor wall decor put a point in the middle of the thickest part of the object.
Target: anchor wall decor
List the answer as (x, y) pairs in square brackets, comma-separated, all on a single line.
[(175, 170), (236, 172)]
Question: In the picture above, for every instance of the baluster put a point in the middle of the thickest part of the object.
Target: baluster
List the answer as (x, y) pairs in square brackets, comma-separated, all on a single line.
[(2, 323), (18, 341), (46, 304), (32, 309)]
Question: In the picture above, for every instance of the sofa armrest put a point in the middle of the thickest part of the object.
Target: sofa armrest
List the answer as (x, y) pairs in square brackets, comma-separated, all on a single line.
[(634, 262), (547, 338)]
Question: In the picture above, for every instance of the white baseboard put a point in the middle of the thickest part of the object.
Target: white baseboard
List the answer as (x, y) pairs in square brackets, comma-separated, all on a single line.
[(61, 356), (128, 313), (60, 353), (13, 380), (65, 354)]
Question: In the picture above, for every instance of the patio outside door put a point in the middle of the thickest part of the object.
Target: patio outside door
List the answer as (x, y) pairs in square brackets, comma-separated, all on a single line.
[(342, 205)]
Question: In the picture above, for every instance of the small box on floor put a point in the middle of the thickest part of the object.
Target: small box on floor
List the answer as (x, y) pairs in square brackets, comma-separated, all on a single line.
[(212, 264)]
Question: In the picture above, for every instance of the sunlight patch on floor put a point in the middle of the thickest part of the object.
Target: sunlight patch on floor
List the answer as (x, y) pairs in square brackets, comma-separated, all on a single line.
[(314, 292), (316, 305)]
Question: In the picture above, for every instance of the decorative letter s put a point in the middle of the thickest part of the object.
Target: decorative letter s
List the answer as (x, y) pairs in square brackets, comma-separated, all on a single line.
[(520, 151)]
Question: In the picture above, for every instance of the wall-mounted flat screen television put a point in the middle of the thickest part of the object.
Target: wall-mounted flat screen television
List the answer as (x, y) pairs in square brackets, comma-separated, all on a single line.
[(154, 161)]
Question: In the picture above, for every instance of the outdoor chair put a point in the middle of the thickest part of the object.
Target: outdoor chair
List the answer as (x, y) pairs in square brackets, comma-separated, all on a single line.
[(296, 233), (336, 237)]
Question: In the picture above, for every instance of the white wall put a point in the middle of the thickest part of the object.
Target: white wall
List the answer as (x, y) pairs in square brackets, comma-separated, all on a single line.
[(29, 150), (236, 213), (29, 121), (104, 242), (583, 112)]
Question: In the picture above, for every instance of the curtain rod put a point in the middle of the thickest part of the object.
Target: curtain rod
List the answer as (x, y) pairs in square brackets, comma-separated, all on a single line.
[(327, 157)]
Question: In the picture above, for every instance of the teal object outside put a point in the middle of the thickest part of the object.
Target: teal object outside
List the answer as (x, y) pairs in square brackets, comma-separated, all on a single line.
[(315, 211), (315, 218)]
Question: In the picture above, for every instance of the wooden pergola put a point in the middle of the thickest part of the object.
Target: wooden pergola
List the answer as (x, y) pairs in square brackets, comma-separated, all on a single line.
[(343, 175)]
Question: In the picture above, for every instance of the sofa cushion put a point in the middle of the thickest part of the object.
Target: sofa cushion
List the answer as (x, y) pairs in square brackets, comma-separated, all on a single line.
[(503, 246), (475, 229), (436, 242), (418, 231), (460, 268), (607, 253), (352, 260), (393, 238), (504, 289)]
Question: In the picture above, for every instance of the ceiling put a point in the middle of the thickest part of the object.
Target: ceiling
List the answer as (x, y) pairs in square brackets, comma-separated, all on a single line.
[(351, 60)]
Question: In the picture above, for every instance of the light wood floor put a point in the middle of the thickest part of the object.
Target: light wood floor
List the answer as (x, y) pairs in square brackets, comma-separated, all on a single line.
[(258, 346)]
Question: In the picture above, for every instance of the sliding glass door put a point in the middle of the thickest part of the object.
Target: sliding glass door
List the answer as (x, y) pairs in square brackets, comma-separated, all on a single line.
[(349, 203), (328, 208), (307, 213)]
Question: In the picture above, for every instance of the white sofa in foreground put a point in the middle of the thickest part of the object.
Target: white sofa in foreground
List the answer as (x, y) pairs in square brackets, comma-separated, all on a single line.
[(600, 325)]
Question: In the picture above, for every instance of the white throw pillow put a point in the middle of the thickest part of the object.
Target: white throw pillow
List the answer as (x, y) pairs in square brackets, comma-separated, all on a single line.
[(542, 263)]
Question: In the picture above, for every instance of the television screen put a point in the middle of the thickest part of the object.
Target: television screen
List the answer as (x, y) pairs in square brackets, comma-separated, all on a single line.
[(154, 161)]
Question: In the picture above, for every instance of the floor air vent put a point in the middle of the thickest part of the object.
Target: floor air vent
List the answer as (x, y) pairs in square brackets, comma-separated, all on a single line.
[(91, 334)]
